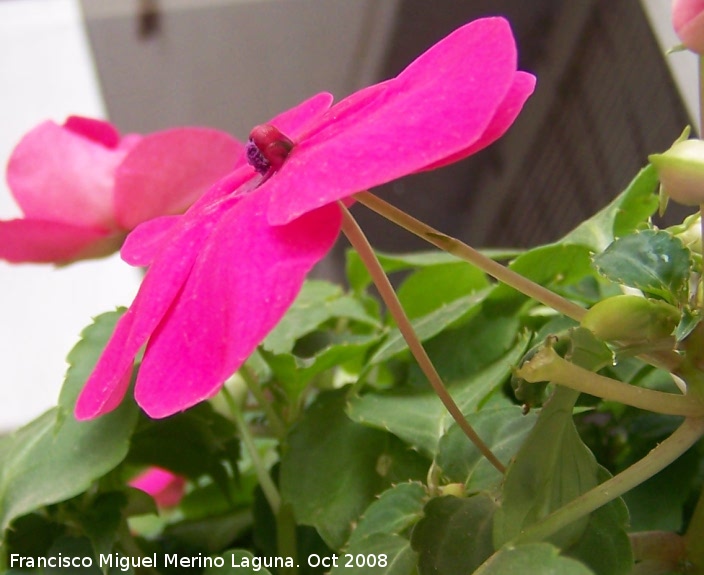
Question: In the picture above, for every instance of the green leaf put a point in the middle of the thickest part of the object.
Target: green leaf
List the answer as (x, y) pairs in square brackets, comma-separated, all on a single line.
[(622, 216), (605, 547), (460, 353), (551, 468), (293, 373), (317, 303), (79, 548), (359, 278), (32, 535), (690, 320), (671, 488), (553, 265), (102, 520), (210, 533), (378, 554), (430, 325), (194, 443), (418, 417), (395, 511), (238, 562), (55, 457), (503, 429), (333, 467), (83, 357), (652, 261), (432, 287), (454, 536), (533, 558)]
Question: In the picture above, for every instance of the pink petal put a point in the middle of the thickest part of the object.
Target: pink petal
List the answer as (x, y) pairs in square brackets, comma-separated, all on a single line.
[(41, 241), (99, 131), (145, 241), (441, 104), (167, 171), (56, 174), (512, 105), (160, 288), (295, 121), (165, 487), (245, 279)]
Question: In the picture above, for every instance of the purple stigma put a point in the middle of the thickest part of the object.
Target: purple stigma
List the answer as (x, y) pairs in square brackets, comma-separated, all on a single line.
[(256, 159)]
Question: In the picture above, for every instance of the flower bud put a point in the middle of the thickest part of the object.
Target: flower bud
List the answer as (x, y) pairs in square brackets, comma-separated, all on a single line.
[(688, 21), (689, 233), (632, 320), (681, 171), (165, 487)]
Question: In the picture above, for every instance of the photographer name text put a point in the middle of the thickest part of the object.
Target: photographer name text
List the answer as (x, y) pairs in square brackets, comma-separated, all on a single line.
[(124, 563)]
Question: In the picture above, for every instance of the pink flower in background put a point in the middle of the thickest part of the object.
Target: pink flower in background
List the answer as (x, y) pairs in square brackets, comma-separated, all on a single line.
[(165, 487), (224, 273), (688, 21), (82, 187)]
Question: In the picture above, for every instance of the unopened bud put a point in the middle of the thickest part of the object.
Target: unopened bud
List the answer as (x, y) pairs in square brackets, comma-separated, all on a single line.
[(681, 171), (632, 320), (689, 232), (688, 21)]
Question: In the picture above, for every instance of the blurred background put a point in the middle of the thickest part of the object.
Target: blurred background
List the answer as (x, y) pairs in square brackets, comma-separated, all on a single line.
[(606, 98)]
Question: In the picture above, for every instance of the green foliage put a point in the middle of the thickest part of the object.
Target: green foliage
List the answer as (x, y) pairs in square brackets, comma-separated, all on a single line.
[(654, 262), (534, 558), (331, 444), (55, 457), (454, 536), (331, 492), (551, 468)]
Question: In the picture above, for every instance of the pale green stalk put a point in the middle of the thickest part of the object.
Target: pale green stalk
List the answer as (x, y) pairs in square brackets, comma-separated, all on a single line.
[(658, 459), (265, 482), (469, 254), (547, 365), (366, 253)]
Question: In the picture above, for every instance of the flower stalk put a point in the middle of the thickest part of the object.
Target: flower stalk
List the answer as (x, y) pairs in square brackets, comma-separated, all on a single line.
[(658, 459), (547, 365), (250, 380), (271, 493), (463, 251), (359, 242)]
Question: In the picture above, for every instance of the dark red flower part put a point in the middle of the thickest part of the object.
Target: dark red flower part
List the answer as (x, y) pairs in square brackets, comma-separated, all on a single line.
[(267, 148)]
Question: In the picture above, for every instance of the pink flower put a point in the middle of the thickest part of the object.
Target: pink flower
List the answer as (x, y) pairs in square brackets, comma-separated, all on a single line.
[(165, 487), (224, 273), (82, 188), (688, 21)]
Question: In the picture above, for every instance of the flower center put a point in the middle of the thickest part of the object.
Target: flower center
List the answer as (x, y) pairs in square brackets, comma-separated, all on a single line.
[(267, 148)]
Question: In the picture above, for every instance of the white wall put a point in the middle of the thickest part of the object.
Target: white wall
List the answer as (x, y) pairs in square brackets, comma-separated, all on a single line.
[(46, 72)]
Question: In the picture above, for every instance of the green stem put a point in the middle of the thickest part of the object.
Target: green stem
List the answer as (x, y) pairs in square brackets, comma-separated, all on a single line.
[(366, 253), (286, 538), (658, 459), (547, 365), (667, 360), (255, 389), (266, 483), (469, 254)]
